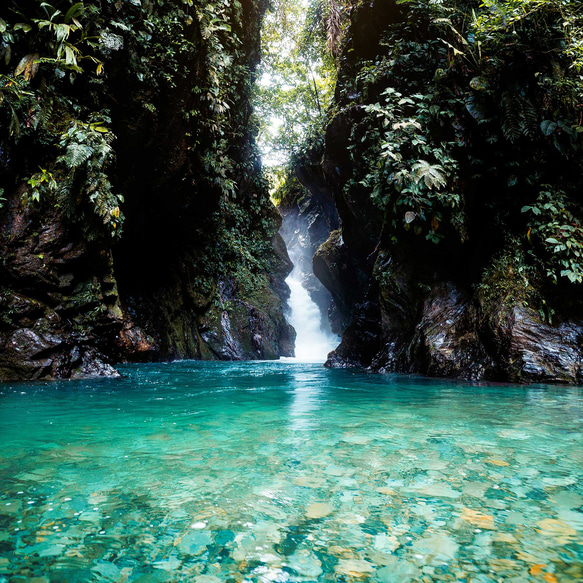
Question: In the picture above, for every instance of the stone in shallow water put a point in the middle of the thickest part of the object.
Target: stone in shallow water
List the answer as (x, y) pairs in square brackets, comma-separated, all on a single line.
[(567, 500), (319, 510), (194, 543), (354, 567), (504, 537), (561, 531), (477, 518), (398, 572), (309, 482), (431, 490), (333, 470), (476, 489), (515, 518), (106, 570), (385, 543), (572, 518), (305, 563), (496, 462), (436, 547), (356, 439), (565, 481)]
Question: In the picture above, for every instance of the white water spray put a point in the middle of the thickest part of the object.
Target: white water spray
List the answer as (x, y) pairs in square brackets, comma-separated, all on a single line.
[(313, 342)]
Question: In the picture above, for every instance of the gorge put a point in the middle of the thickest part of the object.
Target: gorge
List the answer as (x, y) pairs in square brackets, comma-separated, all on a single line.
[(290, 291), (136, 221)]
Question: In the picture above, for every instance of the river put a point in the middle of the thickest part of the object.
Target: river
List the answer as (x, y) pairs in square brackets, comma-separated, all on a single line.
[(286, 471)]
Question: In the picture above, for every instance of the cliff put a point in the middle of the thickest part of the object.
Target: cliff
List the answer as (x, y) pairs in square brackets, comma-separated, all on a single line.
[(454, 155), (134, 221)]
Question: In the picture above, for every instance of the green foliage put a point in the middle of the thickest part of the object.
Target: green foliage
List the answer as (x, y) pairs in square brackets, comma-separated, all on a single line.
[(554, 226), (473, 106), (298, 72), (42, 182), (410, 176), (54, 82), (286, 188), (512, 279)]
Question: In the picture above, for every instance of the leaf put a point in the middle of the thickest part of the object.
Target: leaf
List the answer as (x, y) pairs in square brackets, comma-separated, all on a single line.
[(62, 31), (552, 240), (28, 66), (77, 154), (548, 127), (70, 57), (475, 108), (23, 26), (74, 11), (455, 51), (431, 174), (410, 216)]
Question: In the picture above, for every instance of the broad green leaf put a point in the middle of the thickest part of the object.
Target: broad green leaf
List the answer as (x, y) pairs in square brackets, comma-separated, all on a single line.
[(74, 11), (548, 127)]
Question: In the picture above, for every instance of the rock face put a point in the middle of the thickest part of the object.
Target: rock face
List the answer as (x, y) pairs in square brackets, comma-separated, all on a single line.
[(198, 270), (60, 311), (476, 305), (445, 330)]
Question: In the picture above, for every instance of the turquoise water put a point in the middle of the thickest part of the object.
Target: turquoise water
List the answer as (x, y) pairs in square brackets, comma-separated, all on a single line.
[(289, 472)]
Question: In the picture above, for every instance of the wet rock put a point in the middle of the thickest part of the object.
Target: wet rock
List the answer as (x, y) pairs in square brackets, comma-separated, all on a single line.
[(153, 293), (463, 308), (135, 343), (446, 341), (333, 266), (534, 351), (447, 332)]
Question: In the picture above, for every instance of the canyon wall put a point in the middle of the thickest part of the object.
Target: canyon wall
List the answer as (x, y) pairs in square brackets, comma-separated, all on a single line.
[(454, 156), (135, 224)]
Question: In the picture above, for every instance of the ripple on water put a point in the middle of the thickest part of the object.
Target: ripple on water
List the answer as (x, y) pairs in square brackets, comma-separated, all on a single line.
[(215, 472)]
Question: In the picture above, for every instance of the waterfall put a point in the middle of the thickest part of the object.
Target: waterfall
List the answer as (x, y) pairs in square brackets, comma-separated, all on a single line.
[(314, 338)]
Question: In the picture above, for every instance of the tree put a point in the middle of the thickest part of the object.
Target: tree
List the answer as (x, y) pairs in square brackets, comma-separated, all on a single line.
[(297, 77)]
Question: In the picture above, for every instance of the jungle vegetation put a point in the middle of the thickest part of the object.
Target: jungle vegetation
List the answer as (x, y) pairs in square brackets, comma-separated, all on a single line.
[(467, 124), (468, 104)]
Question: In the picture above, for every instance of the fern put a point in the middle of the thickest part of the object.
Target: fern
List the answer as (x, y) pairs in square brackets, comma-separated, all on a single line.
[(431, 174), (77, 154), (519, 117), (511, 118), (530, 118)]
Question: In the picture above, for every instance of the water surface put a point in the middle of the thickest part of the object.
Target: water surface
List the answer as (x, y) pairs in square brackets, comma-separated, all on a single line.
[(289, 472)]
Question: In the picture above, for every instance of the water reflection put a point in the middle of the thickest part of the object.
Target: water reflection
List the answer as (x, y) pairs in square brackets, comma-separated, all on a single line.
[(306, 401)]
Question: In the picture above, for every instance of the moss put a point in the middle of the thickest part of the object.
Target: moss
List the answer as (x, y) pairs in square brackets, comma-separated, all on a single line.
[(511, 280)]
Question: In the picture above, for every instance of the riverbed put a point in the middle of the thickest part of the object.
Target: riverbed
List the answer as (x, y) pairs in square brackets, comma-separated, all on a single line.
[(284, 471)]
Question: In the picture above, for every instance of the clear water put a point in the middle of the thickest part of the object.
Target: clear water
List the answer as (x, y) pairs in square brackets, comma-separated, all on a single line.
[(289, 472)]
